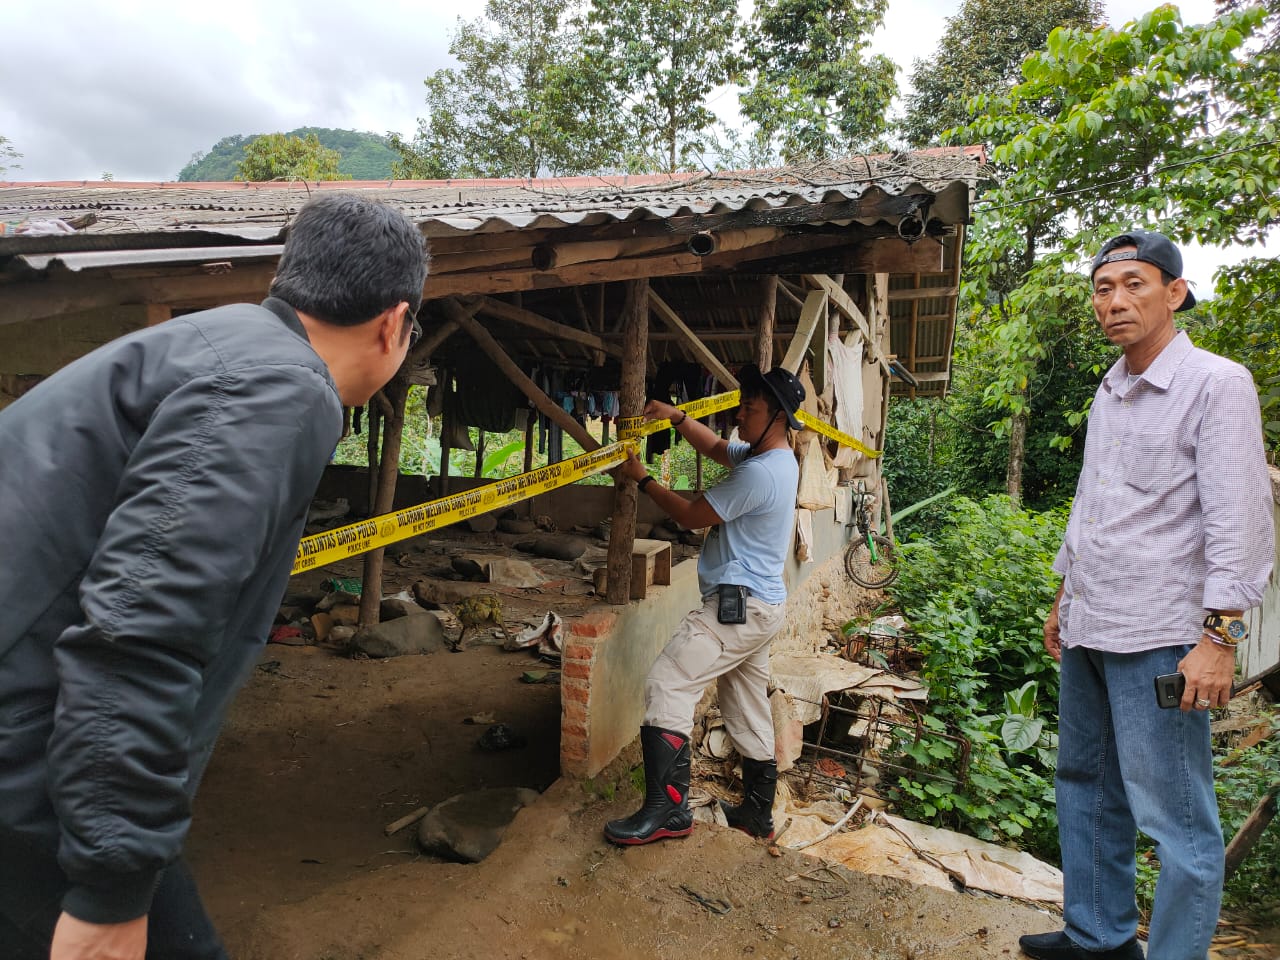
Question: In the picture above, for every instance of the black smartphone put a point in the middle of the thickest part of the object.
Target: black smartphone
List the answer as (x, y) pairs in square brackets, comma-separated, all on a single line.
[(733, 604), (1169, 689)]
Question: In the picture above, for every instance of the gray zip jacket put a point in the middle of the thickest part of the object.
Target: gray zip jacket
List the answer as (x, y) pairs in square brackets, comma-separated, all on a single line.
[(151, 499)]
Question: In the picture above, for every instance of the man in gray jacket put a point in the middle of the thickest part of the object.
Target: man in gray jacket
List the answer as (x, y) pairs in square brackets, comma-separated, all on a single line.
[(153, 495)]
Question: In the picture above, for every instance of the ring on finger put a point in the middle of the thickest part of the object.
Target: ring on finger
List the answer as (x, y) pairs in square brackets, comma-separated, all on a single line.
[(1202, 703)]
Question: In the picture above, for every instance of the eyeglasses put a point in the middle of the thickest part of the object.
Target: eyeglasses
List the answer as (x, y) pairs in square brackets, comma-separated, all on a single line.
[(415, 332)]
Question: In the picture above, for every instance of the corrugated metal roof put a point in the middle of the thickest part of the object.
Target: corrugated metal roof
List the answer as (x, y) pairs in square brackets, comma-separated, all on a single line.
[(259, 212)]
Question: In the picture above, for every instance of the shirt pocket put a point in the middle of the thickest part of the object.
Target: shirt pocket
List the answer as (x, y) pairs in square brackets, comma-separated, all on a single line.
[(1154, 462)]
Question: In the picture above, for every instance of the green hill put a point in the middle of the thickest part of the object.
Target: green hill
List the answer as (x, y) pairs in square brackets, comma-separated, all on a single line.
[(365, 156)]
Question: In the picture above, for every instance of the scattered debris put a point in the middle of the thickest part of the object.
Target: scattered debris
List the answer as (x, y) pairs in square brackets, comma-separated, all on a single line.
[(286, 634), (547, 636), (395, 826), (478, 610), (500, 737)]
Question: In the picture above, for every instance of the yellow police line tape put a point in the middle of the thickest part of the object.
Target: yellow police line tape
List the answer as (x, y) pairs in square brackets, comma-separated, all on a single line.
[(356, 538)]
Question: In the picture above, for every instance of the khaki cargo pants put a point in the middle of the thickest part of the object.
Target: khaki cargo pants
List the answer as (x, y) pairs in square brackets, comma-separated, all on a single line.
[(737, 656)]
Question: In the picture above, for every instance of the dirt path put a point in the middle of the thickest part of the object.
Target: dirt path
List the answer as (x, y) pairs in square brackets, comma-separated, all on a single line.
[(322, 752)]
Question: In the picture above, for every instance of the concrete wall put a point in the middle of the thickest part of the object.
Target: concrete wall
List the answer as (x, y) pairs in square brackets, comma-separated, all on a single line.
[(608, 653), (1262, 652)]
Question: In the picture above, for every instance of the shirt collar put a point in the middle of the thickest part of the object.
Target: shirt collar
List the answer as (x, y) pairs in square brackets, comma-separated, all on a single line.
[(287, 315), (1163, 367)]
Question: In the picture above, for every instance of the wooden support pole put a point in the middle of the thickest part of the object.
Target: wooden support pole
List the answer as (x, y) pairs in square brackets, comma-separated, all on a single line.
[(454, 311), (479, 454), (764, 322), (397, 394), (635, 347), (527, 318), (530, 424)]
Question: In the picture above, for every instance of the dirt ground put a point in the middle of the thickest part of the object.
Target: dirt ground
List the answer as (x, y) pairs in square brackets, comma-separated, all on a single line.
[(322, 752)]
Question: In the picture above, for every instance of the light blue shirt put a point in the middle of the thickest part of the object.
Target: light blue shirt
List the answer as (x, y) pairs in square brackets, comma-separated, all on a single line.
[(756, 503)]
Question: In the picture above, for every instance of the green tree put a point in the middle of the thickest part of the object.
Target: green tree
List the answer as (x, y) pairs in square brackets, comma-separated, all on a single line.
[(363, 155), (813, 92), (1152, 124), (659, 60), (519, 104), (278, 156), (7, 156), (981, 51)]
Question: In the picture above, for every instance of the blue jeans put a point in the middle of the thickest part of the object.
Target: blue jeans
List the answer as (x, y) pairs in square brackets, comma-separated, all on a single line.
[(1126, 765)]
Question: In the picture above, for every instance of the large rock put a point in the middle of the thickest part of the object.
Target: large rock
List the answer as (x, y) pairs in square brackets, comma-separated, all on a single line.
[(401, 637), (555, 547), (470, 826), (393, 608)]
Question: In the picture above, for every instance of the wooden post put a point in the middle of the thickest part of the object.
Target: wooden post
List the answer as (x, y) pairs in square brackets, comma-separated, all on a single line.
[(446, 384), (635, 348), (479, 454), (396, 394), (764, 324), (371, 452), (530, 424)]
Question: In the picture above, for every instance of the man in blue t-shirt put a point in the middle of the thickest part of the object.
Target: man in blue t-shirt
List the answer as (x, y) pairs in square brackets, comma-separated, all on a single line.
[(750, 514)]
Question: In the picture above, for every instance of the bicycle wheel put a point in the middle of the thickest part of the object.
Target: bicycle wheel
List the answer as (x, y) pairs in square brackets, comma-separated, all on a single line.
[(865, 573)]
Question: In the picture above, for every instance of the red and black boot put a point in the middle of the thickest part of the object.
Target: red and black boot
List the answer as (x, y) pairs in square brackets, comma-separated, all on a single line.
[(759, 785), (666, 796)]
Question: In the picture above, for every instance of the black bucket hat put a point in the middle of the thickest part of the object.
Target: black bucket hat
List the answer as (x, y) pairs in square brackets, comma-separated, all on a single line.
[(783, 384), (1149, 247)]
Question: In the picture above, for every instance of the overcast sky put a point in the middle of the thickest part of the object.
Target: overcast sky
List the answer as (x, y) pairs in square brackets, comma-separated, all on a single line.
[(134, 88)]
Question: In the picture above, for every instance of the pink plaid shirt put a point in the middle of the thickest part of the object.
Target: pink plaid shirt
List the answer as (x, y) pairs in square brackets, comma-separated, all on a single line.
[(1173, 510)]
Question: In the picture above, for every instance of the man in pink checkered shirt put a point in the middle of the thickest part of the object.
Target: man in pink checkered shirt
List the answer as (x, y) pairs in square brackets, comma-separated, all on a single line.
[(1170, 539)]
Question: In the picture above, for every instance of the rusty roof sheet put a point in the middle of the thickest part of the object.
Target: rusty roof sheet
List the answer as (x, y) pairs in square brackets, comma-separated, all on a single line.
[(258, 212)]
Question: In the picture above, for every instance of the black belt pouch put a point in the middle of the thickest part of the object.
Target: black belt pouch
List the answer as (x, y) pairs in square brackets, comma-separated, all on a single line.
[(732, 607)]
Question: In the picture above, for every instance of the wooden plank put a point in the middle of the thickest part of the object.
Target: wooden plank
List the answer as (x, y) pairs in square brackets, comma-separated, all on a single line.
[(1247, 836), (840, 299), (922, 293), (690, 339), (810, 314), (507, 311)]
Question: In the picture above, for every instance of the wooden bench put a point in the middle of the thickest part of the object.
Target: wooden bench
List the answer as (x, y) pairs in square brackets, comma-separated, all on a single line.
[(650, 564)]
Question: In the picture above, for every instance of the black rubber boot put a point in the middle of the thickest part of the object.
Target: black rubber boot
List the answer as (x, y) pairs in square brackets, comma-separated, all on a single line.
[(666, 796), (759, 784)]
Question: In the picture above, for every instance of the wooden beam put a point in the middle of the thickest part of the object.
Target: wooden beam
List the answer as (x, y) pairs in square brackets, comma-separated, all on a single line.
[(764, 322), (890, 255), (527, 318), (841, 300), (690, 339), (457, 313), (59, 293), (923, 293), (622, 529), (810, 314)]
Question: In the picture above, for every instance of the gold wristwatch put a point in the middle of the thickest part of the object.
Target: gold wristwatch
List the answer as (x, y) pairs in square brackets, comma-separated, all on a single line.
[(1231, 629)]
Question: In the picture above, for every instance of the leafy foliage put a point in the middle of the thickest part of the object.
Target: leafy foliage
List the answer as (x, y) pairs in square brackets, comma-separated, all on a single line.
[(1154, 124), (981, 52), (814, 94), (658, 60), (277, 156), (524, 100), (977, 594), (363, 156)]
